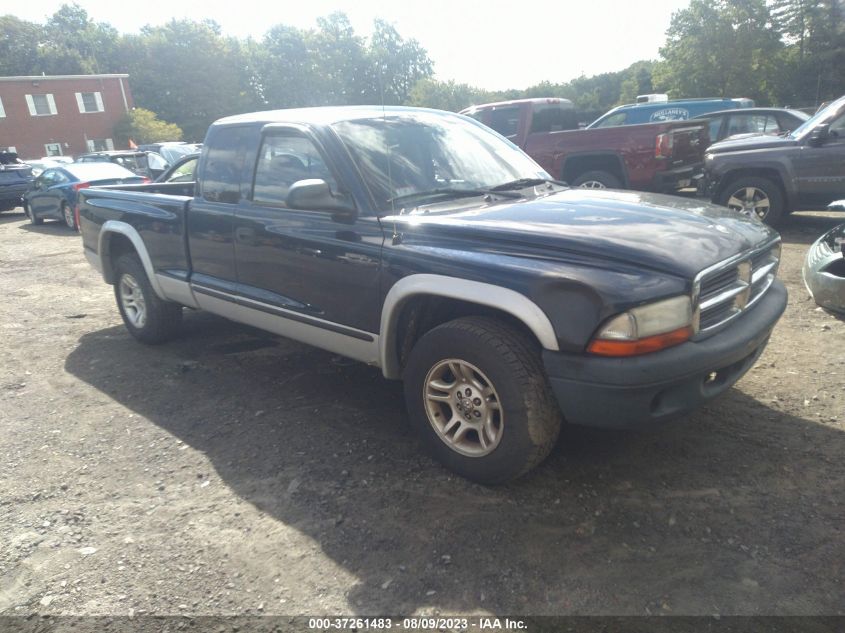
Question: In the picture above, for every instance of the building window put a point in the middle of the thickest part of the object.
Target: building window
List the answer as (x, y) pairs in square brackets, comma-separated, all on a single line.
[(89, 102), (41, 105), (53, 149), (100, 145), (12, 149), (2, 111)]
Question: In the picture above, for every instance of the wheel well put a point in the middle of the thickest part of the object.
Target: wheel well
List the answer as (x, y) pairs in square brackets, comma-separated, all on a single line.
[(771, 174), (578, 165), (114, 245), (422, 313)]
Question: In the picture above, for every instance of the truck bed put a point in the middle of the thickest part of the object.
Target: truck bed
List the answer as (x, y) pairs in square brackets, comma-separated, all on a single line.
[(153, 208)]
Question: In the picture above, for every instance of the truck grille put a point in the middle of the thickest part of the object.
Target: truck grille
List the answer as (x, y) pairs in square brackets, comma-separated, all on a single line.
[(722, 292)]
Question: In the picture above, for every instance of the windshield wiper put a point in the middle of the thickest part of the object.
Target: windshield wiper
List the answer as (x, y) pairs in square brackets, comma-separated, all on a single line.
[(526, 182), (449, 192)]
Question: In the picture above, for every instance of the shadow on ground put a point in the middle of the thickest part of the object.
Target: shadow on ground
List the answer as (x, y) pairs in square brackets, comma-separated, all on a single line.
[(736, 509)]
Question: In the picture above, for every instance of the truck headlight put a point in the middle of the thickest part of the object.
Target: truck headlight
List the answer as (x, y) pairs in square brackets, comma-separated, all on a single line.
[(645, 329)]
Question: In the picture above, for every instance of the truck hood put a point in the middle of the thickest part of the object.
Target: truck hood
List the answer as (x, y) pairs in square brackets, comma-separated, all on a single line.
[(756, 141), (678, 236)]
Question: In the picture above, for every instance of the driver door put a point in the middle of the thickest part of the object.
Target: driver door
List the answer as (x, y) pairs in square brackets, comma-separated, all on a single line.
[(820, 169), (300, 260)]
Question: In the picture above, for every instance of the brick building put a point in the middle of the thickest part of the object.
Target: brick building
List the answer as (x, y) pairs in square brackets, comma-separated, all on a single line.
[(62, 114)]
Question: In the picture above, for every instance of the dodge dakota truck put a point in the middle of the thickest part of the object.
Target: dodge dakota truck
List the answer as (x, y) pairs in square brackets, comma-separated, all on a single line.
[(662, 157), (425, 244)]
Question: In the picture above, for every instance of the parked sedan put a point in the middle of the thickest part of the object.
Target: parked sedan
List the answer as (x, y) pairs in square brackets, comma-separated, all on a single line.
[(773, 121), (824, 266), (54, 193)]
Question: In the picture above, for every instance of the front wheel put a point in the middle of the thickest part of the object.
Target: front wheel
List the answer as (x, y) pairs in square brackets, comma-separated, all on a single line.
[(478, 396), (754, 196), (147, 317)]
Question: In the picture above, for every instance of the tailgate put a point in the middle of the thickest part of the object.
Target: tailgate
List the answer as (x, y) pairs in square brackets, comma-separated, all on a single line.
[(689, 140)]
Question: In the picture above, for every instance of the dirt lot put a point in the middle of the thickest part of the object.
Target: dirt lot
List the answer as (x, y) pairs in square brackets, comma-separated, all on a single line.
[(235, 472)]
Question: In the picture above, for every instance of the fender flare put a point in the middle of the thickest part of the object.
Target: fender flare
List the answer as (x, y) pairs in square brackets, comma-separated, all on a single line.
[(510, 301), (130, 232)]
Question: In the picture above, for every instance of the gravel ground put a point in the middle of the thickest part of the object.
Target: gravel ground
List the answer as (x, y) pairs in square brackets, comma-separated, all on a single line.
[(232, 472)]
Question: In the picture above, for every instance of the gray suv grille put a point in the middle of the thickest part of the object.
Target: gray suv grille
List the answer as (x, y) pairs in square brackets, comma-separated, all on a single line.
[(724, 291)]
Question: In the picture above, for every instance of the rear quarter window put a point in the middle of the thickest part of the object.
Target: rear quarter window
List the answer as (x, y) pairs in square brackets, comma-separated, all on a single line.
[(221, 176)]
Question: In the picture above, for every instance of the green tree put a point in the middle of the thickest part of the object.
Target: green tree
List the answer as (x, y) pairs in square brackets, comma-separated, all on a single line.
[(720, 48), (19, 40), (446, 95), (813, 60), (144, 126), (189, 73), (395, 64), (286, 68), (72, 43)]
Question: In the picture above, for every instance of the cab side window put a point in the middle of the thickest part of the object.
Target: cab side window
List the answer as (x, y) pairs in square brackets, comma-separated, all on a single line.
[(223, 166), (284, 160)]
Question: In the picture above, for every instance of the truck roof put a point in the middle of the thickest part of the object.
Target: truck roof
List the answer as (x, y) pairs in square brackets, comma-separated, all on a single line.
[(324, 115), (513, 102)]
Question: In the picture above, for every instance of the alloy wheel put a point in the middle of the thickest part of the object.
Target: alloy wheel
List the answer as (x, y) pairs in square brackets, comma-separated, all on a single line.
[(463, 407)]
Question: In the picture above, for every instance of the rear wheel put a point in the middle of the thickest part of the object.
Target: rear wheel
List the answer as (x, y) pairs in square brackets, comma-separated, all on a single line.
[(597, 180), (754, 196), (67, 214), (147, 317), (478, 396)]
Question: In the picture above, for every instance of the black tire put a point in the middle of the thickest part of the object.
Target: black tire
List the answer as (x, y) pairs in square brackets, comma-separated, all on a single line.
[(162, 319), (736, 191), (68, 217), (29, 214), (603, 178), (529, 420)]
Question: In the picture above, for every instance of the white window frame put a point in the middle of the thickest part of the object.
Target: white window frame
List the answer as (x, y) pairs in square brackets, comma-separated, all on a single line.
[(47, 147), (98, 97), (2, 110), (51, 104), (109, 143)]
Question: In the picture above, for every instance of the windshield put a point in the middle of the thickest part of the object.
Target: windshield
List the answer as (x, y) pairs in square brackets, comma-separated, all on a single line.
[(403, 154), (821, 115)]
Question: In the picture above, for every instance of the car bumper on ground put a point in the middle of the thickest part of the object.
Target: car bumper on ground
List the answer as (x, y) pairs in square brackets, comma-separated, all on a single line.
[(637, 391), (676, 179), (824, 270)]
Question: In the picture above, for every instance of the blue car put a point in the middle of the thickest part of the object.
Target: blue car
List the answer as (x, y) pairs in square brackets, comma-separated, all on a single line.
[(54, 193), (665, 110)]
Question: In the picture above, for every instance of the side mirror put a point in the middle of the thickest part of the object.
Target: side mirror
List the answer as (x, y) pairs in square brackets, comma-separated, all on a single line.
[(314, 194), (819, 134)]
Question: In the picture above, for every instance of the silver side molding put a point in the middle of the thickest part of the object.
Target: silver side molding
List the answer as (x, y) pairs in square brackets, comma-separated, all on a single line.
[(497, 297), (177, 290), (366, 351)]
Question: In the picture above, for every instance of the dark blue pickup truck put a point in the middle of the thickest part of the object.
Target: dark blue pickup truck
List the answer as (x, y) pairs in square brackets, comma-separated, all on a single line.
[(426, 244)]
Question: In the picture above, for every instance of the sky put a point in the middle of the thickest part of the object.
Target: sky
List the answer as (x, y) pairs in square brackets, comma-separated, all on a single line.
[(493, 44)]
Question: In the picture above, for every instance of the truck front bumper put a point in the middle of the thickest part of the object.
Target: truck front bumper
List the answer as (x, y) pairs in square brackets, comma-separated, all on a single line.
[(636, 391)]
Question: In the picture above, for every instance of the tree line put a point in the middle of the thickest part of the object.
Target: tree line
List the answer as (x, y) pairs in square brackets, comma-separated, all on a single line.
[(778, 52)]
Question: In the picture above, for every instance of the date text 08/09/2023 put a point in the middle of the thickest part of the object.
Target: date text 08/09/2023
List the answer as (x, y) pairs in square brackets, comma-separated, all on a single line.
[(417, 624)]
